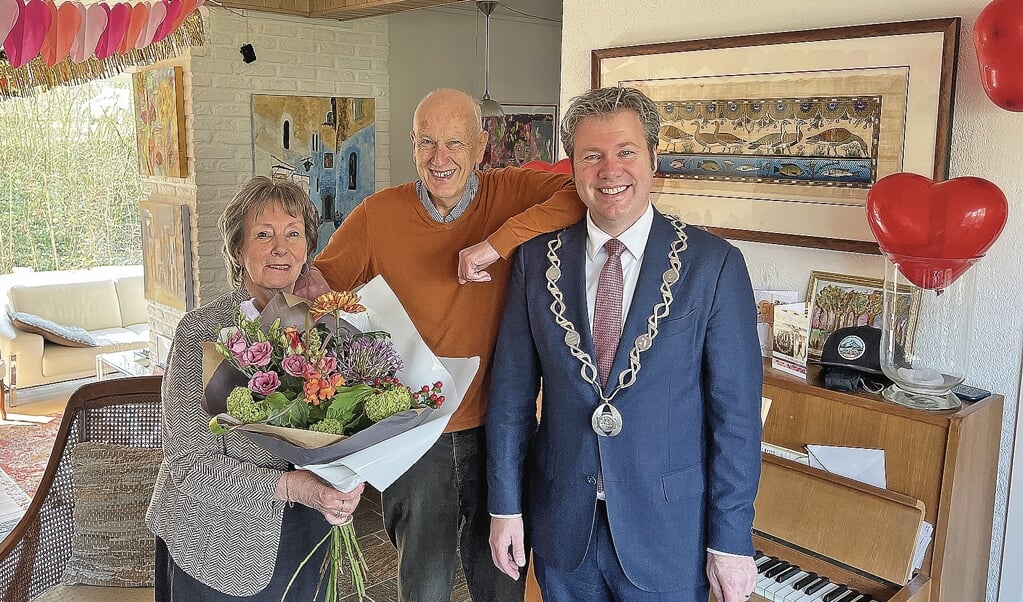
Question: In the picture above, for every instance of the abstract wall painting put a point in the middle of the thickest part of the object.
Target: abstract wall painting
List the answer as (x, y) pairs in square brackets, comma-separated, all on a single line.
[(160, 122), (325, 144), (777, 137), (524, 133), (167, 254)]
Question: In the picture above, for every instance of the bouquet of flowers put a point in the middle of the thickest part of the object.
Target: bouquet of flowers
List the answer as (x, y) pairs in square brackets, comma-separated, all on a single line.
[(326, 387)]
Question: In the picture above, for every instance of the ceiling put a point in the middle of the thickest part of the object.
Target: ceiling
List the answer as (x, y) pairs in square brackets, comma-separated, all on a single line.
[(346, 10)]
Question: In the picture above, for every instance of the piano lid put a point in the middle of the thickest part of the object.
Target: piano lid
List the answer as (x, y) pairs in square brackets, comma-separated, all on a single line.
[(865, 527)]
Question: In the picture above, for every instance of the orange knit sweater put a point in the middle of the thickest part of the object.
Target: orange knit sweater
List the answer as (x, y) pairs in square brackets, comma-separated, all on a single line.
[(391, 234)]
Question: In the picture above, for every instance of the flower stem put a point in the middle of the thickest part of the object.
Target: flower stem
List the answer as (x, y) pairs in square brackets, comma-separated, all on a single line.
[(344, 545)]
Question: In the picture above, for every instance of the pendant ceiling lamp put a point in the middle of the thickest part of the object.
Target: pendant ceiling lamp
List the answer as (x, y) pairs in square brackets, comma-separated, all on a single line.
[(488, 106)]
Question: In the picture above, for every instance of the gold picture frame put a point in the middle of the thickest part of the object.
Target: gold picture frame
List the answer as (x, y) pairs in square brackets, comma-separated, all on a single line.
[(838, 300), (777, 137)]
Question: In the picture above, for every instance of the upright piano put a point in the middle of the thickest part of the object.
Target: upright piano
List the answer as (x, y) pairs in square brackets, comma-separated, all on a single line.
[(941, 468)]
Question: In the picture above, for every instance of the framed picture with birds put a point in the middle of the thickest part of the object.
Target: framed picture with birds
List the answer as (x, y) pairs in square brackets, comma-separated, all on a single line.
[(778, 137)]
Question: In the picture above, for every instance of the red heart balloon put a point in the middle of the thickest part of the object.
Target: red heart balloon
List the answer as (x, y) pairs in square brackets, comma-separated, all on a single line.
[(935, 231), (26, 37), (998, 39)]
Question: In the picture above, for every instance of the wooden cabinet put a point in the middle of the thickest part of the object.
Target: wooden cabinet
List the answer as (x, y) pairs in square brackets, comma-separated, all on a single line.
[(947, 460)]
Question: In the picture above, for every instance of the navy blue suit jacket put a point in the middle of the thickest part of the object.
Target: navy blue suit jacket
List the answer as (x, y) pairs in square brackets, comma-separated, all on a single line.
[(683, 473)]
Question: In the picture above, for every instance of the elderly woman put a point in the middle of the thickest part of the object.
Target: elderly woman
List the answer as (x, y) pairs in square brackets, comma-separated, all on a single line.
[(233, 522)]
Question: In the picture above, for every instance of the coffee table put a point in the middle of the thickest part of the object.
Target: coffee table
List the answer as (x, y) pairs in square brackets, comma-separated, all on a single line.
[(134, 362)]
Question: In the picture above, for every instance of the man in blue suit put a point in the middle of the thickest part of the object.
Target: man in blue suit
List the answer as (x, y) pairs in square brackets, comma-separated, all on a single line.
[(637, 484)]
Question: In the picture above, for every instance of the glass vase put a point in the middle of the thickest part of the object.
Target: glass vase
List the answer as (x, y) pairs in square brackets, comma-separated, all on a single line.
[(925, 336)]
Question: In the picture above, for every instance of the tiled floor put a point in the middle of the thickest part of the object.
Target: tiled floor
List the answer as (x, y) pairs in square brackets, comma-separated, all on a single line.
[(382, 558)]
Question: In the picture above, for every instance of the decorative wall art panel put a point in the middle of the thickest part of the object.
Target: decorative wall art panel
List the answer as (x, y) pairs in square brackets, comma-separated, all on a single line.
[(160, 122), (524, 133), (167, 254), (325, 144)]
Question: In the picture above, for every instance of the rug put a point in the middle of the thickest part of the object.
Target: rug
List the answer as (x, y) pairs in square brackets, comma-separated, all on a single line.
[(13, 502), (25, 446)]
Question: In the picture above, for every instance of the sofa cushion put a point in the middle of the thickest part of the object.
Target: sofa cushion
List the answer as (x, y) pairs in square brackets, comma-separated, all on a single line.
[(112, 545), (90, 305), (131, 299), (61, 334), (58, 360)]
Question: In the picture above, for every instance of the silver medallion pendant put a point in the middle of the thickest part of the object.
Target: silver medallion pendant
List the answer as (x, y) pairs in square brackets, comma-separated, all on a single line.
[(606, 420)]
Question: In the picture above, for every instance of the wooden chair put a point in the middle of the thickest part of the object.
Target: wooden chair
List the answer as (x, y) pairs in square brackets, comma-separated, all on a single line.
[(123, 411)]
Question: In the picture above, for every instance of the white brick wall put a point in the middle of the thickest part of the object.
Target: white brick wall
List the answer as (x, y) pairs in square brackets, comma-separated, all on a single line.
[(316, 57)]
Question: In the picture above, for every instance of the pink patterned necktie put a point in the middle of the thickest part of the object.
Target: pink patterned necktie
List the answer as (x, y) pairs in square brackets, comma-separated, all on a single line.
[(607, 311)]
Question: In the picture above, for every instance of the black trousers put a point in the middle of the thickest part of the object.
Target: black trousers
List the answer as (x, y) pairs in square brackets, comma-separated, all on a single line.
[(302, 528), (437, 510)]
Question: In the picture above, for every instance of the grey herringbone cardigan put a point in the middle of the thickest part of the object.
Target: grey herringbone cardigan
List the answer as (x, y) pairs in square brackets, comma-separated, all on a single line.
[(213, 503)]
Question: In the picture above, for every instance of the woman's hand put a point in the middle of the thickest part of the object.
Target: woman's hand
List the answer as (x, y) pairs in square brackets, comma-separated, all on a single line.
[(307, 489)]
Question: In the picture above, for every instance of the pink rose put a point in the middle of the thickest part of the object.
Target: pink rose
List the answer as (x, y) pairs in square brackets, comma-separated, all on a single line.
[(295, 365), (236, 344), (258, 355), (264, 383)]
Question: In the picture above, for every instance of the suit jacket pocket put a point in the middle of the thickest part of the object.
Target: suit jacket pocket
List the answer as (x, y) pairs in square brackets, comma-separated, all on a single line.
[(683, 483), (679, 320)]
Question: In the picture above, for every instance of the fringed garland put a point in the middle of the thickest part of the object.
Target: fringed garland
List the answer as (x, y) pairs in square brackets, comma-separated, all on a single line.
[(36, 75)]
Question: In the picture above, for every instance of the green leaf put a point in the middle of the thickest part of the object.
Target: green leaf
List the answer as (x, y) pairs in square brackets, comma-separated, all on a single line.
[(347, 403)]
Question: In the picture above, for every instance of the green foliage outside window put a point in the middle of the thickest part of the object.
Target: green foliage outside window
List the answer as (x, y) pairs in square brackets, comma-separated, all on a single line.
[(69, 181)]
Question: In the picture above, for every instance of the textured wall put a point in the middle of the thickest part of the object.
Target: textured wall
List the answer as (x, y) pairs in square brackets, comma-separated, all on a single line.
[(985, 143), (315, 57)]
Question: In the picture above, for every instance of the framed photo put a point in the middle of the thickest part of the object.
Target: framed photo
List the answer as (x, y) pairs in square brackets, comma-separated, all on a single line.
[(777, 137), (525, 133), (839, 300), (167, 254), (160, 122)]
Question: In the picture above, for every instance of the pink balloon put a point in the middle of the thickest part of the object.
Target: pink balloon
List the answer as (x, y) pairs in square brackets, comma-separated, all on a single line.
[(157, 13), (9, 11), (93, 25), (117, 24), (66, 23), (26, 37), (165, 28)]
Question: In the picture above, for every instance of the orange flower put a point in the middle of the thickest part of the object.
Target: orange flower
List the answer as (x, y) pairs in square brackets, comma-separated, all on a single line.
[(333, 301)]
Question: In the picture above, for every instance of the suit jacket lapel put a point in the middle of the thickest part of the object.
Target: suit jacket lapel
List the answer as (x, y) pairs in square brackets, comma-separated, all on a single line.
[(573, 285)]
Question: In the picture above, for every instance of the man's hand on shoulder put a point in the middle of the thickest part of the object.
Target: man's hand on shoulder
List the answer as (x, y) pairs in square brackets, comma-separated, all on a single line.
[(312, 285), (732, 578), (507, 545), (472, 261)]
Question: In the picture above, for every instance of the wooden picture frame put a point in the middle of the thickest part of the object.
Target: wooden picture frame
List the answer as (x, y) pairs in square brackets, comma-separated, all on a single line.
[(160, 122), (526, 132), (776, 138), (838, 300)]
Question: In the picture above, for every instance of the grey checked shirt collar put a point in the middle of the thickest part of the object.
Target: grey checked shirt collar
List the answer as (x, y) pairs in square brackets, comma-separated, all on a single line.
[(471, 187)]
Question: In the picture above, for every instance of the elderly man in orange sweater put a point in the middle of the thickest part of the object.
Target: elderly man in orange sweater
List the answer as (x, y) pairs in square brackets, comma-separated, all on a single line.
[(428, 239)]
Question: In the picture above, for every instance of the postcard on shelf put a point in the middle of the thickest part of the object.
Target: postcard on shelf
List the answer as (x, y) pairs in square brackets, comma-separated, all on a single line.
[(862, 464), (766, 301), (791, 332)]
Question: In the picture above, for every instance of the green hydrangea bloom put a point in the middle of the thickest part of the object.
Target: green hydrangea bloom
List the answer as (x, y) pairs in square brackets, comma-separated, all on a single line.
[(242, 406), (328, 425), (387, 402)]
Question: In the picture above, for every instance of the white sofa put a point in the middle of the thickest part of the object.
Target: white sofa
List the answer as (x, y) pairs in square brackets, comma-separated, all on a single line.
[(107, 302)]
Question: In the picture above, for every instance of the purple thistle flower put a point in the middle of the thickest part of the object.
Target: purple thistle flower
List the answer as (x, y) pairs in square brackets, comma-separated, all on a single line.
[(367, 358)]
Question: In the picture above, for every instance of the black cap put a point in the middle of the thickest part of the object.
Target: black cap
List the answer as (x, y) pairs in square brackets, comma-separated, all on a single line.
[(856, 347)]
